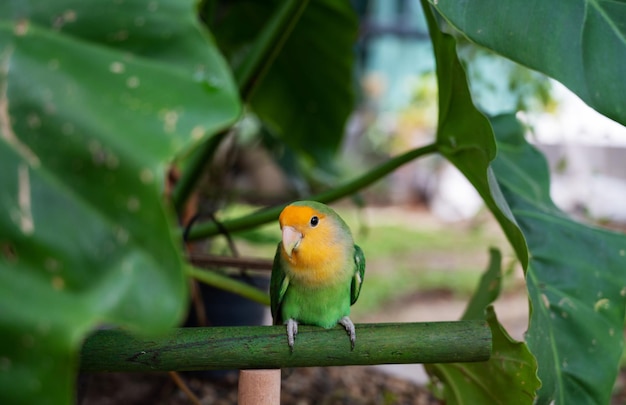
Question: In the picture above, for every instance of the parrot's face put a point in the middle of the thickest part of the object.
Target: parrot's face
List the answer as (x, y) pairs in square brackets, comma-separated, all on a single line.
[(308, 236), (297, 223)]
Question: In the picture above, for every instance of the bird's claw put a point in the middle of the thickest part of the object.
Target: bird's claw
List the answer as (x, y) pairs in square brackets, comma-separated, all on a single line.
[(349, 326), (346, 322), (292, 331)]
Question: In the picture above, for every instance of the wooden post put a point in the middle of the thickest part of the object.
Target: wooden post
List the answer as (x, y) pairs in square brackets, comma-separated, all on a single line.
[(259, 387)]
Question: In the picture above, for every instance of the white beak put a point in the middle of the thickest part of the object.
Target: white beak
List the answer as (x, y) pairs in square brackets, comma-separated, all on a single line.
[(291, 239)]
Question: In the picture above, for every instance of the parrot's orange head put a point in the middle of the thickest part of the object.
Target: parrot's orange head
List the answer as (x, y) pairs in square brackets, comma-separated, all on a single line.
[(298, 223), (316, 242), (310, 236)]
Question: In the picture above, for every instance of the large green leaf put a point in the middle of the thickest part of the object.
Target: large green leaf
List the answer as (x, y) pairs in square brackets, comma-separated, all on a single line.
[(573, 275), (575, 279), (306, 96), (95, 98), (464, 135), (510, 375), (580, 43)]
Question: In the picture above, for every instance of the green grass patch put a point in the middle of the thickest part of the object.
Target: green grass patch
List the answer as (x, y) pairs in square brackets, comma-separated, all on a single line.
[(380, 289)]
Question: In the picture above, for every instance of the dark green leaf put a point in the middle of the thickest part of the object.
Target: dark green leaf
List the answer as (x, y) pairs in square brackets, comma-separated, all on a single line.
[(464, 135), (575, 280), (307, 95), (95, 98), (582, 44)]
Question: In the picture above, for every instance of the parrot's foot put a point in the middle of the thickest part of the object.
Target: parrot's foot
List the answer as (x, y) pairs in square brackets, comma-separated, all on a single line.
[(292, 331), (349, 326)]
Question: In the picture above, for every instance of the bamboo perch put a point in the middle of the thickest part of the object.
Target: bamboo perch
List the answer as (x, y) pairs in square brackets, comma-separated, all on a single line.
[(265, 347)]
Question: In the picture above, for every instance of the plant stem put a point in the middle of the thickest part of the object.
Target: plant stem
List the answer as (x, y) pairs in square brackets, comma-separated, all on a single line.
[(180, 383), (268, 45), (266, 215), (253, 347), (228, 284), (198, 161)]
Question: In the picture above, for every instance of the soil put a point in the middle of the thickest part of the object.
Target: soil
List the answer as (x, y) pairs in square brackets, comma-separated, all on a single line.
[(302, 386)]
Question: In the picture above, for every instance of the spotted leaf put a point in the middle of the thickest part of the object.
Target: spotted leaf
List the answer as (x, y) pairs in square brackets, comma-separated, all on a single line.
[(95, 100)]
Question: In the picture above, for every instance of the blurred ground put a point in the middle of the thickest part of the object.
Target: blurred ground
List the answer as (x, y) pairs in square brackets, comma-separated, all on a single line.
[(304, 386)]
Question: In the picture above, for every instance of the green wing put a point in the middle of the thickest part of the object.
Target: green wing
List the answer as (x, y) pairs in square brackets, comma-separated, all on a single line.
[(278, 286), (359, 274)]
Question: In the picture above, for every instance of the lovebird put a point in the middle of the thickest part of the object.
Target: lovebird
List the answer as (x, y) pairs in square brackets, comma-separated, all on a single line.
[(317, 272)]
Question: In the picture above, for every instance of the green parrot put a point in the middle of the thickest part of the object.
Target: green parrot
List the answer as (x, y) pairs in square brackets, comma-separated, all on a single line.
[(318, 270)]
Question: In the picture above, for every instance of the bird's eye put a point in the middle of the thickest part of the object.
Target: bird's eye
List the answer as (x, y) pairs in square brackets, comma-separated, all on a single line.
[(314, 221)]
